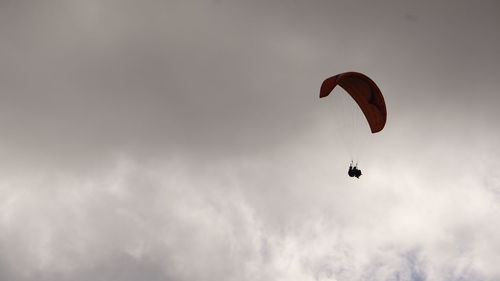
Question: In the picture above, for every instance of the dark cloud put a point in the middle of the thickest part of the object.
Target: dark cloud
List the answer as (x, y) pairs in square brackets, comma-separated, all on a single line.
[(181, 140)]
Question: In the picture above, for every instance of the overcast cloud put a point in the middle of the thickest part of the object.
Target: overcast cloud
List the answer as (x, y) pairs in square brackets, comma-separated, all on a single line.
[(185, 140)]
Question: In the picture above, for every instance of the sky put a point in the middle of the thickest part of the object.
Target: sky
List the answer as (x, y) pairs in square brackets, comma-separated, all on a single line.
[(185, 140)]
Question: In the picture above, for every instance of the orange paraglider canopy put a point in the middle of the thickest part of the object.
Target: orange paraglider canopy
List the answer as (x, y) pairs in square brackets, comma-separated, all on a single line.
[(366, 94)]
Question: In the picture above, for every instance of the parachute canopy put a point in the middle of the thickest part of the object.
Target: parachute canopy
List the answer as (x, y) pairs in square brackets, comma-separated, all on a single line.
[(366, 94)]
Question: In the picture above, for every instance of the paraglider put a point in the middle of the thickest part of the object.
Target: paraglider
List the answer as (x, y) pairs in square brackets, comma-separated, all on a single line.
[(368, 97), (354, 171)]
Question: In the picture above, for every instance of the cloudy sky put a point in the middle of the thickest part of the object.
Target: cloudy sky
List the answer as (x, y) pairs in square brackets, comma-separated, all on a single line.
[(185, 140)]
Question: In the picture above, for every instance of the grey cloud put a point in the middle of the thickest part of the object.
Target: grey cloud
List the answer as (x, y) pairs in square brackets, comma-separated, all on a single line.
[(184, 140)]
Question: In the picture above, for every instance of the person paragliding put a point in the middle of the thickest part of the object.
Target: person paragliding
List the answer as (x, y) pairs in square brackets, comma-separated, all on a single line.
[(354, 171), (367, 96)]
